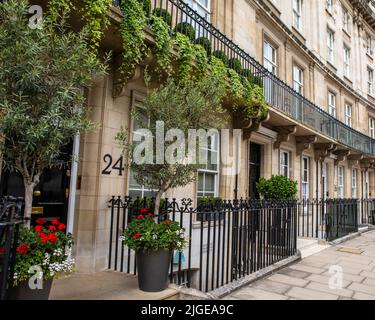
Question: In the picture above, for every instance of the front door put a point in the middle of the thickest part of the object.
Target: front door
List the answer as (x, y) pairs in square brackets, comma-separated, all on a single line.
[(255, 169), (50, 196)]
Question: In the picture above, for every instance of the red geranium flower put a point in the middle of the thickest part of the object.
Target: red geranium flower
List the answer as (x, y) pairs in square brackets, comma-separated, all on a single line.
[(61, 227), (55, 222), (150, 214), (136, 235), (168, 222), (38, 228), (144, 210), (40, 221), (52, 237), (43, 237), (2, 250), (140, 216), (52, 228), (23, 249)]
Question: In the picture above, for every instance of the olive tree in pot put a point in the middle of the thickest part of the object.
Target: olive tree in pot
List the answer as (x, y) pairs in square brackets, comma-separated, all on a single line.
[(153, 241)]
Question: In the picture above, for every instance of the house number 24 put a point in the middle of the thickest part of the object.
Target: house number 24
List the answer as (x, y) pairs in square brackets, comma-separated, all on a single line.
[(108, 160)]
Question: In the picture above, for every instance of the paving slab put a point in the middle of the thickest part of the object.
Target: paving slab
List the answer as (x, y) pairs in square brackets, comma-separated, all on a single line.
[(271, 286), (308, 294), (325, 280), (325, 288), (258, 294), (293, 281)]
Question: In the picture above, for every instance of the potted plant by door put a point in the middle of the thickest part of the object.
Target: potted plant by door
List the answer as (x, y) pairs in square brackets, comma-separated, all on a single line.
[(43, 252), (153, 242)]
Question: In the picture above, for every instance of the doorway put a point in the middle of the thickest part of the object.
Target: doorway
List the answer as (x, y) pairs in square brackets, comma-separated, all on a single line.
[(51, 196), (255, 169)]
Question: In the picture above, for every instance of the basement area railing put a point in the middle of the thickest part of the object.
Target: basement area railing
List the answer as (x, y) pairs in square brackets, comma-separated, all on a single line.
[(278, 94)]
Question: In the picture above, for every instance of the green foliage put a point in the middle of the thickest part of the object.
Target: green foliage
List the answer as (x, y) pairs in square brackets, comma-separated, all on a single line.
[(201, 60), (206, 44), (204, 201), (221, 55), (43, 247), (235, 64), (146, 6), (132, 33), (186, 57), (277, 188), (187, 29), (164, 14), (163, 45), (251, 77), (219, 74), (42, 104), (236, 86), (144, 233), (259, 99), (97, 19)]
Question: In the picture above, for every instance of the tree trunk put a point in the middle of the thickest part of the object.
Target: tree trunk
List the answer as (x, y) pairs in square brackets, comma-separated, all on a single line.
[(29, 189), (157, 202)]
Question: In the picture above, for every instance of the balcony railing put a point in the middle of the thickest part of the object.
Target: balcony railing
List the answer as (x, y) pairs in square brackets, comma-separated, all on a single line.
[(278, 94)]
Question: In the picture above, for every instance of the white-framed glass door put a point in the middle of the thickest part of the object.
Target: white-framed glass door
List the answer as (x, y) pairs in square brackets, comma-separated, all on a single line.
[(305, 180)]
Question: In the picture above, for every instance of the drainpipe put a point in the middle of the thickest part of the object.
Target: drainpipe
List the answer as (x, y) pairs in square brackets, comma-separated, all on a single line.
[(73, 185)]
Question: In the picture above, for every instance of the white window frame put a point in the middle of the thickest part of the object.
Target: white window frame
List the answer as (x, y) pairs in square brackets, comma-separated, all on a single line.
[(297, 14), (332, 103), (204, 193), (369, 49), (370, 81), (305, 178), (331, 46), (340, 181), (371, 127), (298, 79), (270, 62), (141, 189), (345, 20), (354, 183), (200, 7), (349, 115), (284, 166), (346, 61)]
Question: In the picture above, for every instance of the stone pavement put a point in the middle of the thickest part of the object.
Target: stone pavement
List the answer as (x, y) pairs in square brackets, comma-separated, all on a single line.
[(310, 278)]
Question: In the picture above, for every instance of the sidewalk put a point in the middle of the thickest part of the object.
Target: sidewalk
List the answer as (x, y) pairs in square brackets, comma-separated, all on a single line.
[(309, 278)]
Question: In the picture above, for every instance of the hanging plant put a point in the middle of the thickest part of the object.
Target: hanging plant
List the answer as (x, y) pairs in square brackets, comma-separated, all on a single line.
[(201, 60), (221, 55), (236, 86), (219, 72), (186, 56), (146, 6), (163, 45), (187, 29), (164, 14), (259, 99), (235, 64), (206, 44), (132, 33), (97, 20)]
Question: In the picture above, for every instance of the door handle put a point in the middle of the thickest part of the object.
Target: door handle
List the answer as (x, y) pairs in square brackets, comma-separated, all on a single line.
[(37, 193)]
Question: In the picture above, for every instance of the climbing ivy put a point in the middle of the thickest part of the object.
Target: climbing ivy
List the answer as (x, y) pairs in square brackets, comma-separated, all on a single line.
[(236, 86), (95, 14), (163, 45), (201, 60), (132, 33), (186, 56)]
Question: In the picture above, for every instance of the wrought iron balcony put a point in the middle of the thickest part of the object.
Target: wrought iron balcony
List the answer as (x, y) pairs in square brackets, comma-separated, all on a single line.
[(278, 94)]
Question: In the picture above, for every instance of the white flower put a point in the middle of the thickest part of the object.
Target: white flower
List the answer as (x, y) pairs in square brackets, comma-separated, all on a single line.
[(121, 238)]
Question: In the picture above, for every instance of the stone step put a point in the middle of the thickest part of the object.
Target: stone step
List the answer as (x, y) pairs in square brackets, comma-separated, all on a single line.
[(308, 247)]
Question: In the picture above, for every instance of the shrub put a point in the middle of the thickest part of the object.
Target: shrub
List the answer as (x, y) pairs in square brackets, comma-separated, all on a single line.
[(162, 13), (252, 78), (187, 29), (277, 188), (146, 5), (206, 44), (235, 64), (221, 55)]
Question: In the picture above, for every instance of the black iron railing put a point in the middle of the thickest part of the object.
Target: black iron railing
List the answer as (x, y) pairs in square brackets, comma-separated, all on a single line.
[(367, 211), (11, 216), (278, 94), (328, 219), (235, 239)]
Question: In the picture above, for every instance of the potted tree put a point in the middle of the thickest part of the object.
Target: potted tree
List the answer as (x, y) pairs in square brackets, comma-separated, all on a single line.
[(43, 253), (153, 241)]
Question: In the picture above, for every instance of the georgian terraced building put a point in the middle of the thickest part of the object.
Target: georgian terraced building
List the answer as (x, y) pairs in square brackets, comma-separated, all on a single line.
[(317, 63)]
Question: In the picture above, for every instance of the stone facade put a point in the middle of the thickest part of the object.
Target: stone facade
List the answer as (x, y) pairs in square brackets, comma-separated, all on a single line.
[(249, 23)]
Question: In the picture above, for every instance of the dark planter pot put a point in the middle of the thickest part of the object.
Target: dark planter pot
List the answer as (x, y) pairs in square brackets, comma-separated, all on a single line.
[(23, 292), (153, 270)]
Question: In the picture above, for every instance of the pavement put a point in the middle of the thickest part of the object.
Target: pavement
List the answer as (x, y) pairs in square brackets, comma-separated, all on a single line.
[(341, 272), (105, 285)]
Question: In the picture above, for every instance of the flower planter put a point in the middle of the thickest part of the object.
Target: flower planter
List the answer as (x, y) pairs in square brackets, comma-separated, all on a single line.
[(23, 292), (153, 270)]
